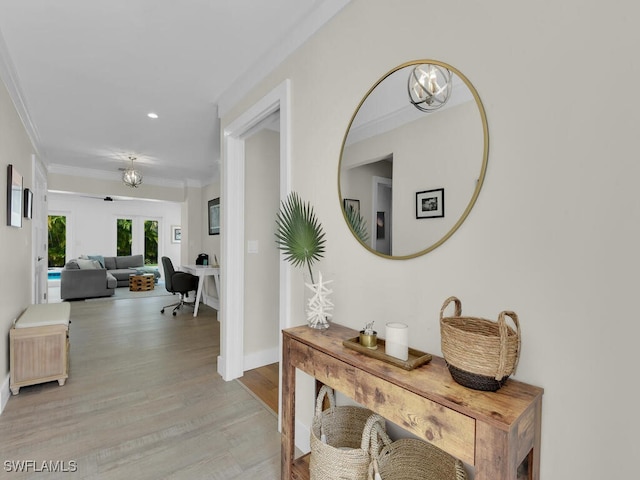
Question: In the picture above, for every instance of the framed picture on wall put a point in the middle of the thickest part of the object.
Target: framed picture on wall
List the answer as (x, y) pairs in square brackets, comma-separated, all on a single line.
[(430, 203), (214, 216), (176, 234), (14, 197)]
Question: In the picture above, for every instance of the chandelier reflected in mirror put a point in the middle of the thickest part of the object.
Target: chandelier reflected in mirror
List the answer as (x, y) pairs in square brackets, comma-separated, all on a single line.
[(429, 86), (131, 177)]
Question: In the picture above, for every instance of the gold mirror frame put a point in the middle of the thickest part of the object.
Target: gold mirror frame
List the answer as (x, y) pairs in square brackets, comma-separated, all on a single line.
[(480, 180)]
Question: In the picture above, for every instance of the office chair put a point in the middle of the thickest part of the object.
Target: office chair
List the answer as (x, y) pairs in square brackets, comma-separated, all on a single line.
[(178, 282)]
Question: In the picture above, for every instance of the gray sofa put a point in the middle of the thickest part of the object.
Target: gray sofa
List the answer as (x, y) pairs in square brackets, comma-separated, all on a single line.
[(98, 276), (122, 267)]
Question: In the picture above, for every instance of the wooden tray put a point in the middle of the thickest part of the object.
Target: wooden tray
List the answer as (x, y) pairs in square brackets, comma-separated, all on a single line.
[(416, 357)]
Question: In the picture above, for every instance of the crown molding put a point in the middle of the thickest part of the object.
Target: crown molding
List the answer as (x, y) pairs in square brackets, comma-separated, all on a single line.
[(403, 114), (11, 81), (321, 14)]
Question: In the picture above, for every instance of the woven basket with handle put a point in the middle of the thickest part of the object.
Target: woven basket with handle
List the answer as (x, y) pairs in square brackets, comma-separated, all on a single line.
[(341, 440), (411, 459), (480, 354)]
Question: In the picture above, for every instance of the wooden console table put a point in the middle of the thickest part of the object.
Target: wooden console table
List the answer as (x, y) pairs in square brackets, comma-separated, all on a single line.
[(495, 432)]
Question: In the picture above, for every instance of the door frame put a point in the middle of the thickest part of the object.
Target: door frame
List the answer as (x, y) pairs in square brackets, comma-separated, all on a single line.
[(377, 182), (232, 193), (39, 233)]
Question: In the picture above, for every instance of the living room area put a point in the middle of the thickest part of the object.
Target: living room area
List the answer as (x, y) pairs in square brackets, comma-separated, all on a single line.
[(83, 227)]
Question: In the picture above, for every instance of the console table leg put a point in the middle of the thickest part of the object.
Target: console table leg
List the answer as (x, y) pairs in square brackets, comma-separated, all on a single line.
[(534, 456), (288, 413)]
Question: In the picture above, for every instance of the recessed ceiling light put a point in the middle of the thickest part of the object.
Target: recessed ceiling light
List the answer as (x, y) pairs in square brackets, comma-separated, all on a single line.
[(152, 115)]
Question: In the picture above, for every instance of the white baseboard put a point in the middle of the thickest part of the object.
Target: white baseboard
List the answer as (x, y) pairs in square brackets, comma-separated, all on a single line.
[(213, 302), (5, 393), (221, 366), (261, 358)]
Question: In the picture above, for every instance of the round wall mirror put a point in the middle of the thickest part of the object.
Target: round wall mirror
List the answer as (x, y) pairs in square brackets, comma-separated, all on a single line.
[(413, 159)]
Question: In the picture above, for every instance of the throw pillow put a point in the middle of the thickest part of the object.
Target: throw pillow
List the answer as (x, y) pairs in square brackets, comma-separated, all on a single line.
[(99, 258), (88, 264), (72, 265)]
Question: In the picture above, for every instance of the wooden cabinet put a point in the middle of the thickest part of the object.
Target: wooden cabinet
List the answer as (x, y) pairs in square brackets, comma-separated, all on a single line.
[(39, 346), (495, 432)]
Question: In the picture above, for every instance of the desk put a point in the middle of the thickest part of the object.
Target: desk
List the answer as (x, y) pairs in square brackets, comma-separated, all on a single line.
[(202, 271), (492, 431)]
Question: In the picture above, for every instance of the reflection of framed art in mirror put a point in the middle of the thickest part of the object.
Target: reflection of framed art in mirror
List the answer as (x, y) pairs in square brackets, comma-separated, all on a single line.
[(214, 216), (430, 203), (14, 197), (353, 204)]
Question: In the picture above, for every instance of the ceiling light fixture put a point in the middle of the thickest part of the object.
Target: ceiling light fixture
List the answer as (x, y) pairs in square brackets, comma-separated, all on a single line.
[(429, 86), (131, 177), (152, 115)]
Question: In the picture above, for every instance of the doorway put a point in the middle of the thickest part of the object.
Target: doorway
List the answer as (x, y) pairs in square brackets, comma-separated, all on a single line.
[(262, 200), (381, 215), (231, 362), (39, 234)]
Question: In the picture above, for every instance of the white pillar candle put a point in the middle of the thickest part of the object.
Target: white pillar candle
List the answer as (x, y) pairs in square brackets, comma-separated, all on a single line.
[(397, 340)]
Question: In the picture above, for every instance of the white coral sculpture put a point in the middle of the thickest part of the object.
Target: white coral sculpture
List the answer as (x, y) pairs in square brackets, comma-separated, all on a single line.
[(320, 306)]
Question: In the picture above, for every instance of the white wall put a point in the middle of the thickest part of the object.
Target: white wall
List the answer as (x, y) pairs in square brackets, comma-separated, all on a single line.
[(15, 243), (91, 224), (554, 235), (262, 200)]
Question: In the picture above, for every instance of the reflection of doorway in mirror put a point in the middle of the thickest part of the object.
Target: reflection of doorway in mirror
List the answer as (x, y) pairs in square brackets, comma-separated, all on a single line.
[(382, 190)]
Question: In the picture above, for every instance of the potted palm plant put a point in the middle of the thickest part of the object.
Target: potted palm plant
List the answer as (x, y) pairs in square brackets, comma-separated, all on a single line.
[(299, 235)]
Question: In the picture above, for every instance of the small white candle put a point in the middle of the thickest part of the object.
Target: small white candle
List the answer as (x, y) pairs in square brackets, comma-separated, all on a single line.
[(397, 340)]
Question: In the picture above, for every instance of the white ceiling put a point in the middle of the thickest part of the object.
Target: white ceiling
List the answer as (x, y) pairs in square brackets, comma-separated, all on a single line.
[(84, 74)]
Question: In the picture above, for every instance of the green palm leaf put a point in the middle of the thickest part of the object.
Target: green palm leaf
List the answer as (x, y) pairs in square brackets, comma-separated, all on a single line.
[(299, 234)]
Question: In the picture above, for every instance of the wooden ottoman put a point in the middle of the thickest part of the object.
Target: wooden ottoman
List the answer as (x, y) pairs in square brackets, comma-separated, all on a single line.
[(39, 346), (142, 282)]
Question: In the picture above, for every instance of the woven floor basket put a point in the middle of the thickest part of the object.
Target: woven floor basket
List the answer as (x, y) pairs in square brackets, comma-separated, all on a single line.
[(480, 354), (413, 459), (340, 440)]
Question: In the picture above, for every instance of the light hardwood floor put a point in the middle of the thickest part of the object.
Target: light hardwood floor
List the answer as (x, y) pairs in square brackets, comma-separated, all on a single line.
[(263, 383), (143, 400)]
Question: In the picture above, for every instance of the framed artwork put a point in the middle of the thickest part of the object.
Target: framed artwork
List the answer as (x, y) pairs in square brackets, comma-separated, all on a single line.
[(351, 203), (28, 203), (214, 216), (430, 203), (14, 197), (380, 225), (176, 234)]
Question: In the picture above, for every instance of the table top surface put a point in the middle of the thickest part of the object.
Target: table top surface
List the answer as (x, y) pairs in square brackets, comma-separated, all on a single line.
[(212, 269), (431, 380)]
